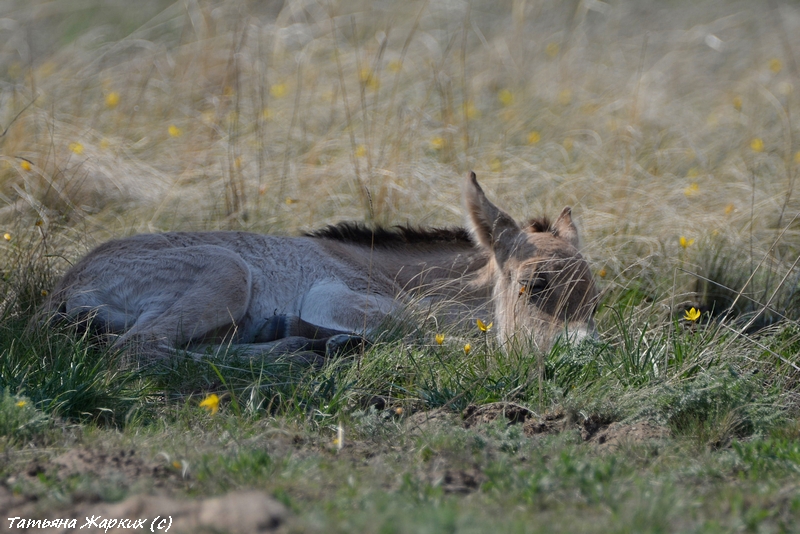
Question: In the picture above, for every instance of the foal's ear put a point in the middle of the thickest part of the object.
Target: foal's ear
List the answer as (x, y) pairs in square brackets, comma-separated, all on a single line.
[(565, 228), (493, 227)]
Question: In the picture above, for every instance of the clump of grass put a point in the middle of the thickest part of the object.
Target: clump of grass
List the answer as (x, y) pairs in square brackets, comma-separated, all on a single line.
[(70, 375), (758, 291), (720, 404), (20, 421), (61, 370)]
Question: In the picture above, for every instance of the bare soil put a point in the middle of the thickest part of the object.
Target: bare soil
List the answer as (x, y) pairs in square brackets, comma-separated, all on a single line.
[(594, 429), (154, 482), (236, 512)]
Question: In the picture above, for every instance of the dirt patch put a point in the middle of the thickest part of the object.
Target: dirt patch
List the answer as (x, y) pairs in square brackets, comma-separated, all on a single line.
[(244, 511), (595, 429), (118, 464), (458, 479), (592, 425), (461, 480), (120, 468), (551, 423), (431, 420), (619, 434), (17, 503), (514, 414), (238, 512)]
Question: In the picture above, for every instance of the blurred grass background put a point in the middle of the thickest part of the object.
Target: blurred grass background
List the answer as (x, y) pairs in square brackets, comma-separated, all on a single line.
[(645, 115)]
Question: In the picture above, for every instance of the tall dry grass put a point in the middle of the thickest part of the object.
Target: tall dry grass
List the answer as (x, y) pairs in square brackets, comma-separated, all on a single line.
[(655, 121)]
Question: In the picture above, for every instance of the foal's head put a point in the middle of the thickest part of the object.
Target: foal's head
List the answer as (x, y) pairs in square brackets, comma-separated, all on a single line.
[(542, 285)]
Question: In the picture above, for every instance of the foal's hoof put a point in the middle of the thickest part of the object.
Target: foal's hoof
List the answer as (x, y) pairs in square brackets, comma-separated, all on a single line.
[(342, 344), (276, 327)]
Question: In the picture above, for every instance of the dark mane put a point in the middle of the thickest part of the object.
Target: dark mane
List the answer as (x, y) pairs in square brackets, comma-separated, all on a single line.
[(361, 234), (539, 224)]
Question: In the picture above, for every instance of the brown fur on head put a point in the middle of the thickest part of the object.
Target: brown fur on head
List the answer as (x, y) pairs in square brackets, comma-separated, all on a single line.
[(542, 284)]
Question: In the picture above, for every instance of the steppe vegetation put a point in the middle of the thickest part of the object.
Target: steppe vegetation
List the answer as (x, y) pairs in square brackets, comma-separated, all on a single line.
[(667, 125)]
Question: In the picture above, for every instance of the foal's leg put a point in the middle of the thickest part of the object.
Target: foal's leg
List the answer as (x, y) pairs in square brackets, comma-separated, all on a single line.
[(283, 326), (195, 291), (291, 329)]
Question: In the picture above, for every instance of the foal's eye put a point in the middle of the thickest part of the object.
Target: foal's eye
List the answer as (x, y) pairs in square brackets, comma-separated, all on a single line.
[(532, 287)]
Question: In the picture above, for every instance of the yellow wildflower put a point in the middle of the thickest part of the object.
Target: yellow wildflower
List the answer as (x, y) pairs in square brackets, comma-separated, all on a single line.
[(44, 292), (439, 338), (289, 201), (25, 164), (686, 242), (211, 403), (278, 90), (483, 327), (174, 131), (775, 65), (691, 315), (76, 148), (398, 410), (176, 464), (693, 189), (112, 99), (14, 70), (22, 403), (729, 208), (496, 165), (437, 143), (47, 69), (361, 151), (368, 78), (471, 111), (467, 348), (602, 273), (7, 236), (534, 137), (757, 145), (505, 97)]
